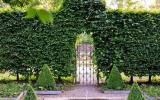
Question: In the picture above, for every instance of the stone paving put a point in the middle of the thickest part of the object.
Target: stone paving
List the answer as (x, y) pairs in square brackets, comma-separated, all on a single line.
[(84, 93)]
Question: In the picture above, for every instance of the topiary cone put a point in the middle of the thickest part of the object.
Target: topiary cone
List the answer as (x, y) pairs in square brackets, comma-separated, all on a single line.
[(30, 95), (45, 78), (135, 93), (115, 80)]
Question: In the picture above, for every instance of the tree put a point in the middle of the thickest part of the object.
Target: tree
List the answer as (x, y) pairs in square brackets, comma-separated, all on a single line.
[(30, 95), (43, 9), (115, 79), (39, 8), (45, 78), (136, 93)]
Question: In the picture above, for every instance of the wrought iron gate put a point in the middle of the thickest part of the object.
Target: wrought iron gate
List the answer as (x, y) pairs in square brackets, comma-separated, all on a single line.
[(85, 69)]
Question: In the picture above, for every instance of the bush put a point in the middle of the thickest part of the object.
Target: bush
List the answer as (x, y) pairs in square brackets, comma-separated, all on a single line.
[(45, 79), (10, 89), (115, 80), (128, 40), (135, 93), (30, 95), (26, 44)]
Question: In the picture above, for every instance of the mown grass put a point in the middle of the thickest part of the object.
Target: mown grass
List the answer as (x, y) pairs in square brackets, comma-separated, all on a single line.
[(143, 79)]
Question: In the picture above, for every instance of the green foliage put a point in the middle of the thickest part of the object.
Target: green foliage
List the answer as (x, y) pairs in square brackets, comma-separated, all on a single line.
[(84, 38), (115, 80), (44, 15), (10, 89), (31, 13), (45, 78), (17, 2), (151, 90), (120, 38), (136, 93), (30, 95), (26, 44), (129, 40)]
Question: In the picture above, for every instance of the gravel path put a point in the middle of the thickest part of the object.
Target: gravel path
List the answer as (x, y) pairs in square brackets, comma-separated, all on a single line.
[(84, 93)]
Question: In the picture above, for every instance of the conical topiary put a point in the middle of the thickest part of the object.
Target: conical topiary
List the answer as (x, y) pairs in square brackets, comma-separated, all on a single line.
[(115, 80), (30, 95), (45, 79), (135, 93)]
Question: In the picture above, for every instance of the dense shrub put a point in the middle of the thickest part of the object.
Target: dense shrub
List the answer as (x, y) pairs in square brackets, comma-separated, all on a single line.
[(135, 93), (27, 44), (115, 80), (30, 95), (45, 79), (130, 40)]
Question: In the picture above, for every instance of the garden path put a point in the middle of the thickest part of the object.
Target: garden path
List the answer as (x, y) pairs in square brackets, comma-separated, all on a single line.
[(84, 93)]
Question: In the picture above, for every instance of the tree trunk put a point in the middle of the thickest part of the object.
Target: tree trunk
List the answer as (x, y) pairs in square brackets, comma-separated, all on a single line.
[(131, 80), (59, 79), (17, 76), (150, 79)]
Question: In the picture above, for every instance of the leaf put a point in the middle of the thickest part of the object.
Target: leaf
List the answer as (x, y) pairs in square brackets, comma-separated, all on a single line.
[(31, 13), (45, 16)]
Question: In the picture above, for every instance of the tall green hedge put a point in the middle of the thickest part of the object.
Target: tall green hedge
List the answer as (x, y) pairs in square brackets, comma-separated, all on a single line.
[(26, 44), (128, 39)]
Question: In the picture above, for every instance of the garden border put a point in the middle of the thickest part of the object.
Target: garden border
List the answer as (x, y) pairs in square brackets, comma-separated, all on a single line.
[(127, 92), (22, 94)]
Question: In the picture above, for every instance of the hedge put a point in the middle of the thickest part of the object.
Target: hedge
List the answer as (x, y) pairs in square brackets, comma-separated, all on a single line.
[(115, 80), (27, 44), (46, 79), (130, 40)]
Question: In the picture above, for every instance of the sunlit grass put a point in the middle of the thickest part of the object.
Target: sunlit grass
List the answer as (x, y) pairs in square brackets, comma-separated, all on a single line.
[(7, 76), (143, 79), (155, 78)]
